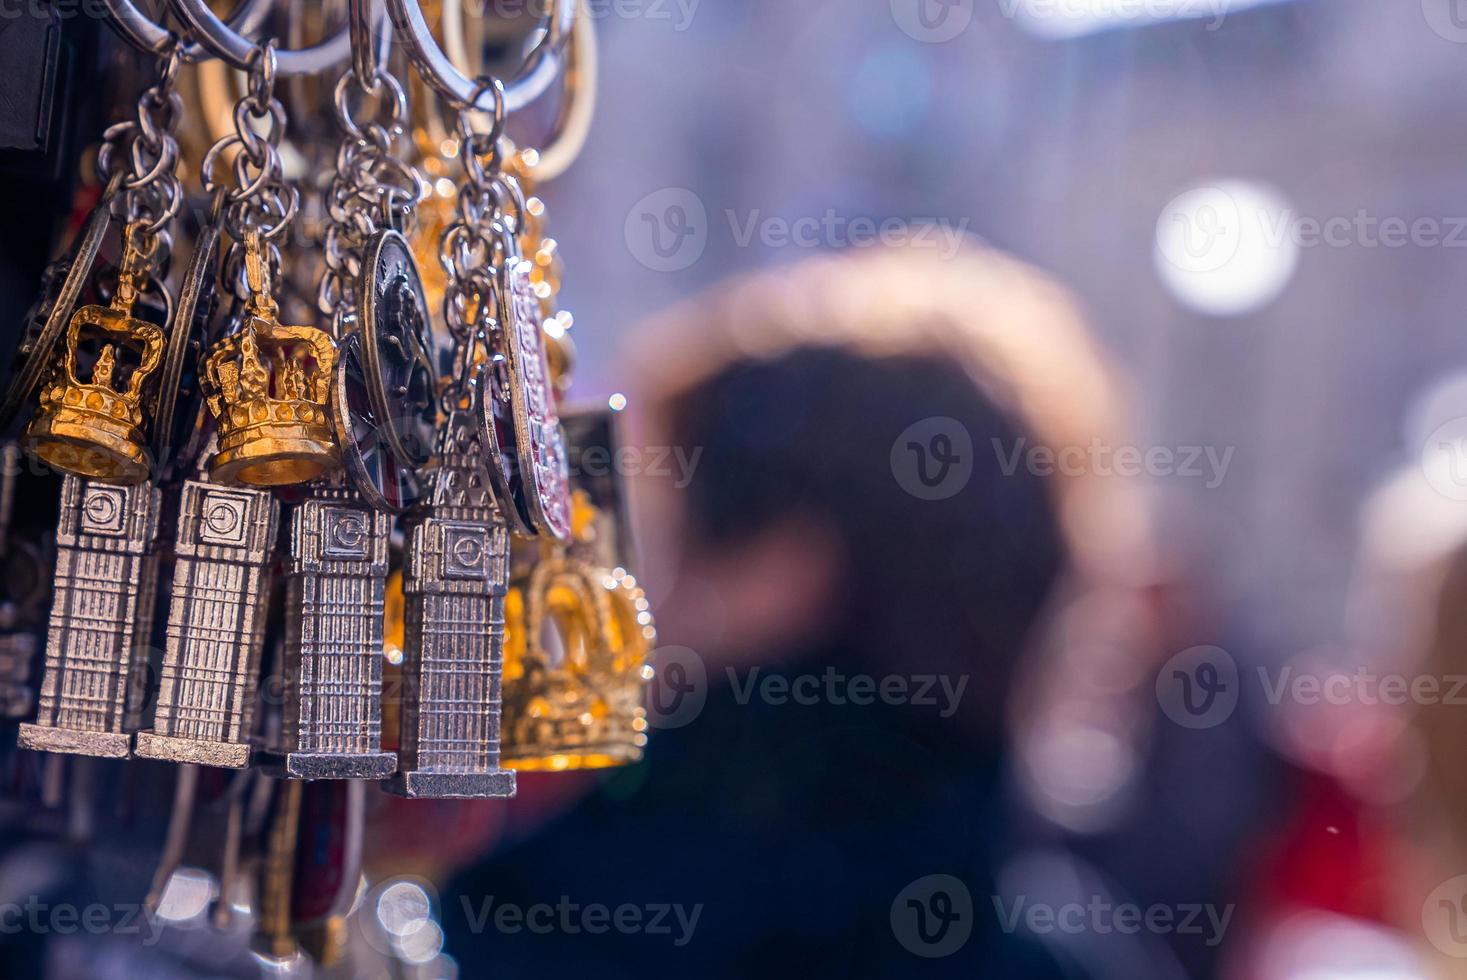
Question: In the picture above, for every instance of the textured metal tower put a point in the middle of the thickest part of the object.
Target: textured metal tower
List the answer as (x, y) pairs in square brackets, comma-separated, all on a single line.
[(455, 577), (332, 725), (206, 693), (101, 618)]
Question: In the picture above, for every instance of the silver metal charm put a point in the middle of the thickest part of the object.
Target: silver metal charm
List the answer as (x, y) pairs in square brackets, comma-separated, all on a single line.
[(542, 484), (455, 576), (216, 619), (519, 423), (395, 347), (101, 618), (332, 725), (383, 480)]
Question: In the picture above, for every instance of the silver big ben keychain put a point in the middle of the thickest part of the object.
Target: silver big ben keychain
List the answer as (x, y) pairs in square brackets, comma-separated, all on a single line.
[(271, 426), (103, 592), (332, 718), (216, 626), (332, 715), (456, 566), (91, 694), (455, 576)]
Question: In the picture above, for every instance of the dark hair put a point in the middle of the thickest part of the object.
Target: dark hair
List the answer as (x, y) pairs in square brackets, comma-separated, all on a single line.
[(931, 585)]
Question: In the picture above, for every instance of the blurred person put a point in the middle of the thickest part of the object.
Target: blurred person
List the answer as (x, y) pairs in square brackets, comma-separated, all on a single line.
[(870, 500), (1412, 593), (1369, 874)]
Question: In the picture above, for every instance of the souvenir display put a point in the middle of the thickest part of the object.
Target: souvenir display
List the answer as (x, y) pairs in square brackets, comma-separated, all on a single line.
[(254, 446)]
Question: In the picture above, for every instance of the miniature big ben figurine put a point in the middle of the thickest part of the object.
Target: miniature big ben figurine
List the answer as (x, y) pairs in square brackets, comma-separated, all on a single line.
[(455, 578), (332, 724), (216, 624)]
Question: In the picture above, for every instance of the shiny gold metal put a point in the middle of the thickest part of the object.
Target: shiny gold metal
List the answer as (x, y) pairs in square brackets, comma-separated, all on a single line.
[(577, 703), (268, 385), (93, 429)]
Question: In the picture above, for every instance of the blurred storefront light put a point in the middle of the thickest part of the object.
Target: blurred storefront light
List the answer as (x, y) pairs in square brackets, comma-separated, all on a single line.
[(1062, 19), (186, 895), (403, 908), (1325, 946), (1226, 248)]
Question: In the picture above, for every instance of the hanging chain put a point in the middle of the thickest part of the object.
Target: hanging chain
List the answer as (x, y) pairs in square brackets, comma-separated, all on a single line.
[(145, 151), (261, 200), (374, 187), (491, 206)]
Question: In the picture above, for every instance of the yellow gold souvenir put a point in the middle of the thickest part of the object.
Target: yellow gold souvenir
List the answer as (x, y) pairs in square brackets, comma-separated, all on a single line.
[(578, 703), (268, 385), (94, 428)]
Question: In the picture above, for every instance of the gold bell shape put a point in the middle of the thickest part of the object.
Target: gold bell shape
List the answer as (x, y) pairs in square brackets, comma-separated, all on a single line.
[(267, 385), (93, 428), (581, 705)]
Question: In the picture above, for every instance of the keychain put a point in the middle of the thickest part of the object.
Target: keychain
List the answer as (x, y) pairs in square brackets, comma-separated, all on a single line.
[(456, 561), (103, 592), (519, 422), (332, 713), (265, 384)]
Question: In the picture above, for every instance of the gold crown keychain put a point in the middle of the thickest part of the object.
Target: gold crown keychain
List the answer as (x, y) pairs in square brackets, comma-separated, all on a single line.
[(268, 385), (94, 428), (579, 706)]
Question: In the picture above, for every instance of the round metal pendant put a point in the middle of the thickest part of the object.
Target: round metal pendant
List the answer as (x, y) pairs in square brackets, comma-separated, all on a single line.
[(496, 438), (33, 358), (175, 421), (371, 466), (395, 326), (539, 476)]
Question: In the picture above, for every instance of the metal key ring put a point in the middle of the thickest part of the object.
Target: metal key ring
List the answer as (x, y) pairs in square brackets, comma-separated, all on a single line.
[(578, 103), (234, 49), (572, 124), (144, 34), (439, 71)]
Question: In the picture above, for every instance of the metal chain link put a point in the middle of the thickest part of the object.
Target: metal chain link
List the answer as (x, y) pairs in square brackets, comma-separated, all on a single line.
[(491, 206), (261, 199), (145, 151), (373, 187)]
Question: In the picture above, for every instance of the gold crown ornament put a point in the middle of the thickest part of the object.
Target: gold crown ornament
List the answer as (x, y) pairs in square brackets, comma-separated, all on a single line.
[(94, 428), (580, 703), (581, 706), (268, 385)]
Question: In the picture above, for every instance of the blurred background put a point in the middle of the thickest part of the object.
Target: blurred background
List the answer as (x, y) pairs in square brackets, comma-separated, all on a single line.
[(1258, 209)]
